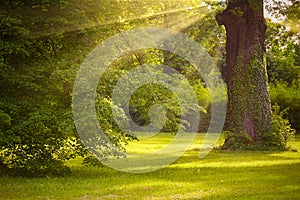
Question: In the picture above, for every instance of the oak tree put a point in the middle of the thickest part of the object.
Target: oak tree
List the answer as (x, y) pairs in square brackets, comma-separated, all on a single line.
[(249, 107)]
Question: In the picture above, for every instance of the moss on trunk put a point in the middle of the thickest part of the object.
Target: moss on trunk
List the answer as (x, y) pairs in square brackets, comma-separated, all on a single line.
[(249, 108)]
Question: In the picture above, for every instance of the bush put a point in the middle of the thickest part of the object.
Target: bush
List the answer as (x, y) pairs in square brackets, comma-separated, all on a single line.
[(280, 133), (276, 139), (237, 141), (287, 98), (53, 168)]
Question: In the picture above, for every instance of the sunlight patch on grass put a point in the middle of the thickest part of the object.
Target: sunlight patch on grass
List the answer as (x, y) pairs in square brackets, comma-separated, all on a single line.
[(234, 164), (220, 175)]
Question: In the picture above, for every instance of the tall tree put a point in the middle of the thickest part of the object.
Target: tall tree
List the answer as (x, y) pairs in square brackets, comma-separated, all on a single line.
[(249, 108)]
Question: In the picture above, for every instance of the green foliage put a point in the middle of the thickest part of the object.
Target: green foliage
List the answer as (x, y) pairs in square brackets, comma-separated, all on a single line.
[(282, 54), (293, 11), (211, 36), (92, 161), (148, 95), (238, 141), (37, 144), (277, 138), (42, 44), (34, 3), (38, 168), (280, 132), (36, 128), (283, 66), (288, 98), (237, 12)]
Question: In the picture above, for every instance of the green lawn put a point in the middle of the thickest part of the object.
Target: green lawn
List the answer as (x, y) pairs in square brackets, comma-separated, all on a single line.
[(221, 175)]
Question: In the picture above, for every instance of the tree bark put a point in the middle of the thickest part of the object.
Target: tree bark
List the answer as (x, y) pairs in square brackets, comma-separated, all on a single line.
[(249, 108), (4, 170)]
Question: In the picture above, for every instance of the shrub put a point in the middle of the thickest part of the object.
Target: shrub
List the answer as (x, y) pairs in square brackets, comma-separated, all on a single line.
[(281, 131), (287, 98), (237, 141), (276, 139)]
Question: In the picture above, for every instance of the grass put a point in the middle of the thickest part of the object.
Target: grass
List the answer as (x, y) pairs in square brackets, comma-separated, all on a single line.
[(220, 175)]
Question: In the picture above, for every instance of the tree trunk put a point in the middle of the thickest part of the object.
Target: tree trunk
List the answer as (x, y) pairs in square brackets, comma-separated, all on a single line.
[(4, 170), (249, 108)]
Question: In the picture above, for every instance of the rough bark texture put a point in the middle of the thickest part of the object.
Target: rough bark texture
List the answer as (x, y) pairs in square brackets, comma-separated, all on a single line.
[(249, 108)]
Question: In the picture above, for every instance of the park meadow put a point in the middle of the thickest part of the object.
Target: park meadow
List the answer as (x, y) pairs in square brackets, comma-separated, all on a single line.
[(220, 175)]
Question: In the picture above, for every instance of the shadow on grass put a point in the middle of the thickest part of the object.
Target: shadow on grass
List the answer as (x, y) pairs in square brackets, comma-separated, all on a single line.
[(278, 181), (191, 165), (221, 175)]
